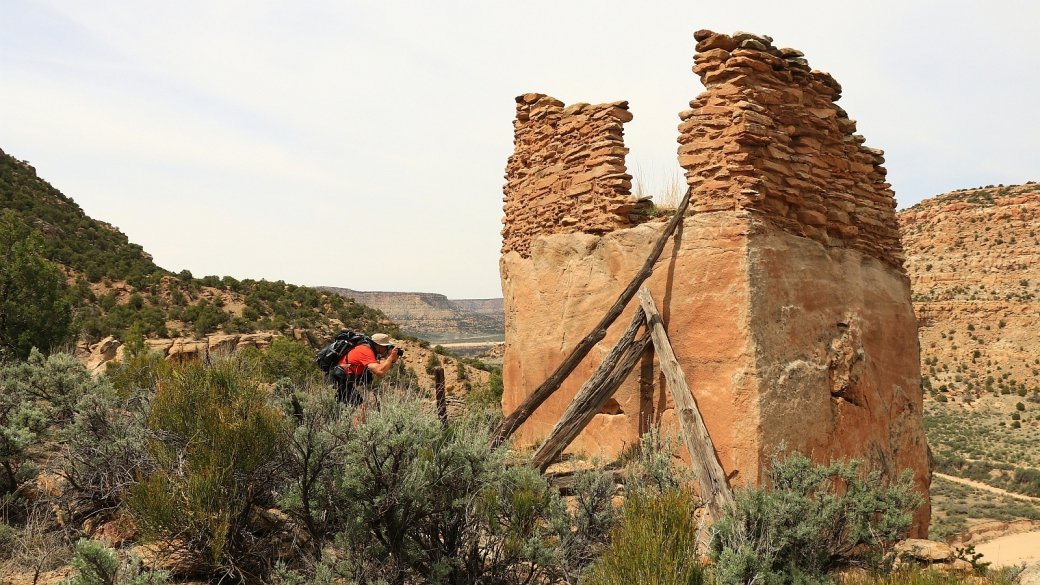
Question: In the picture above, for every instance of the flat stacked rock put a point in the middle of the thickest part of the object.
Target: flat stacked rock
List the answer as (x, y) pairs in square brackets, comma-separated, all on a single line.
[(567, 173), (767, 136)]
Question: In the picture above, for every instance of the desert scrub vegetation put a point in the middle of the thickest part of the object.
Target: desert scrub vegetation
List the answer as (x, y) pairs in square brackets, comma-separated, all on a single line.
[(92, 248), (95, 563), (250, 471), (236, 474), (809, 520), (954, 505), (985, 445), (654, 542), (215, 434), (173, 304)]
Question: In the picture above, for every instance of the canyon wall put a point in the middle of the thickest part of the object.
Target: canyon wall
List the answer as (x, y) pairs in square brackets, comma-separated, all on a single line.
[(783, 291), (974, 267), (490, 307), (430, 315)]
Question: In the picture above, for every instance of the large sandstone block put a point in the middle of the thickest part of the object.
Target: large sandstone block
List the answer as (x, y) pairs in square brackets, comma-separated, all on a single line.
[(783, 341)]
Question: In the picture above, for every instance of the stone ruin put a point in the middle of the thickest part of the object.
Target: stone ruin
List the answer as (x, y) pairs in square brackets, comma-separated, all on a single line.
[(783, 292)]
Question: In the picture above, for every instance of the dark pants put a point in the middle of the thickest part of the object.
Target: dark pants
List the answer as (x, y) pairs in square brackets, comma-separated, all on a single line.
[(347, 391)]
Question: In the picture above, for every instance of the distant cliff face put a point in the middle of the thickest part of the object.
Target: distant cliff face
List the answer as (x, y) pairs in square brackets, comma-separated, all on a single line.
[(973, 257), (491, 307), (433, 316)]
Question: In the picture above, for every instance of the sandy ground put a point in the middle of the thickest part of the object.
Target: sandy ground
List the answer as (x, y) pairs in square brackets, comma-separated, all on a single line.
[(988, 488), (1012, 549)]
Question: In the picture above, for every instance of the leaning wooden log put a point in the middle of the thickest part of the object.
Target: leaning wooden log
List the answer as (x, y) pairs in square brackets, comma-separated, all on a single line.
[(552, 383), (593, 394), (712, 480), (439, 396)]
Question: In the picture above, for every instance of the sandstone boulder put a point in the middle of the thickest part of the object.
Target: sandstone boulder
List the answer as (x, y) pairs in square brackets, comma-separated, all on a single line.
[(115, 532), (172, 557), (184, 349), (257, 340), (925, 550), (222, 344), (102, 353), (161, 346), (1031, 576)]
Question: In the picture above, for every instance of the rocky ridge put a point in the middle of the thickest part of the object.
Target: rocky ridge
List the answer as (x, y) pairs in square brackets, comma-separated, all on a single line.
[(973, 257)]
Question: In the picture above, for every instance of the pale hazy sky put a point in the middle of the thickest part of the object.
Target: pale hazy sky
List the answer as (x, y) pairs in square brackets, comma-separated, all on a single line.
[(362, 144)]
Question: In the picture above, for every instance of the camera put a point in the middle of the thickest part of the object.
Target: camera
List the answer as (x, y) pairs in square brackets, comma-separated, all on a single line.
[(400, 352)]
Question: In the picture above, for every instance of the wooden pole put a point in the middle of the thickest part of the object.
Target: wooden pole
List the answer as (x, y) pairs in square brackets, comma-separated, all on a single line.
[(592, 396), (438, 385), (552, 384), (712, 480)]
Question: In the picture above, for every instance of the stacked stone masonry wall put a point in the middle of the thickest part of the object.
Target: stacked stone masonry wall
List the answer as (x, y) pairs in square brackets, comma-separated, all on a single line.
[(767, 136), (567, 173)]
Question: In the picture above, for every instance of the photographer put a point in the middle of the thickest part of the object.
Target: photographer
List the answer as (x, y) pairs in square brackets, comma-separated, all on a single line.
[(359, 364)]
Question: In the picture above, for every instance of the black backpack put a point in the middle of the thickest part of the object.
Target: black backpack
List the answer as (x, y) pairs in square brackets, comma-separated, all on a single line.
[(331, 354)]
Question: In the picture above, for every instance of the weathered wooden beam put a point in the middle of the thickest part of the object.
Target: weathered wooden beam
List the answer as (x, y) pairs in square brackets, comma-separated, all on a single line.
[(593, 394), (438, 392), (512, 422), (712, 480)]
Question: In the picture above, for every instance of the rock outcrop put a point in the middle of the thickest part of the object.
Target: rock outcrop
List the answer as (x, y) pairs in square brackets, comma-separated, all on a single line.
[(782, 292), (182, 349)]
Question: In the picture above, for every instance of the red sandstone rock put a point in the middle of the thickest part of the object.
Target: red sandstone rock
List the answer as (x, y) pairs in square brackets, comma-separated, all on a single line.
[(783, 294)]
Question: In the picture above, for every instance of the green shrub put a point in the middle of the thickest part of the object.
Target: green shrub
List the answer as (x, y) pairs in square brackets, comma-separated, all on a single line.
[(651, 465), (489, 394), (288, 358), (137, 373), (421, 502), (96, 564), (37, 396), (106, 451), (432, 363), (215, 440), (311, 456), (655, 542), (912, 575), (808, 519), (34, 311)]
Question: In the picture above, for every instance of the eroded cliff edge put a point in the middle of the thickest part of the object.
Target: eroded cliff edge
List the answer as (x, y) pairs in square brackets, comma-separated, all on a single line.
[(783, 293)]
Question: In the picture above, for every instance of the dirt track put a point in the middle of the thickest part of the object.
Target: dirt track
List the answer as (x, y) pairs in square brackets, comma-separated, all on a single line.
[(983, 486)]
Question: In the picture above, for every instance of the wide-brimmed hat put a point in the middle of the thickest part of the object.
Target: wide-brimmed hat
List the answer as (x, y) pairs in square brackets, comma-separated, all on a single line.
[(381, 339)]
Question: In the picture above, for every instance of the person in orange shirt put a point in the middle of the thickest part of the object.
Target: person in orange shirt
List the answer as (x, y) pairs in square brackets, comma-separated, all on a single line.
[(357, 367)]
